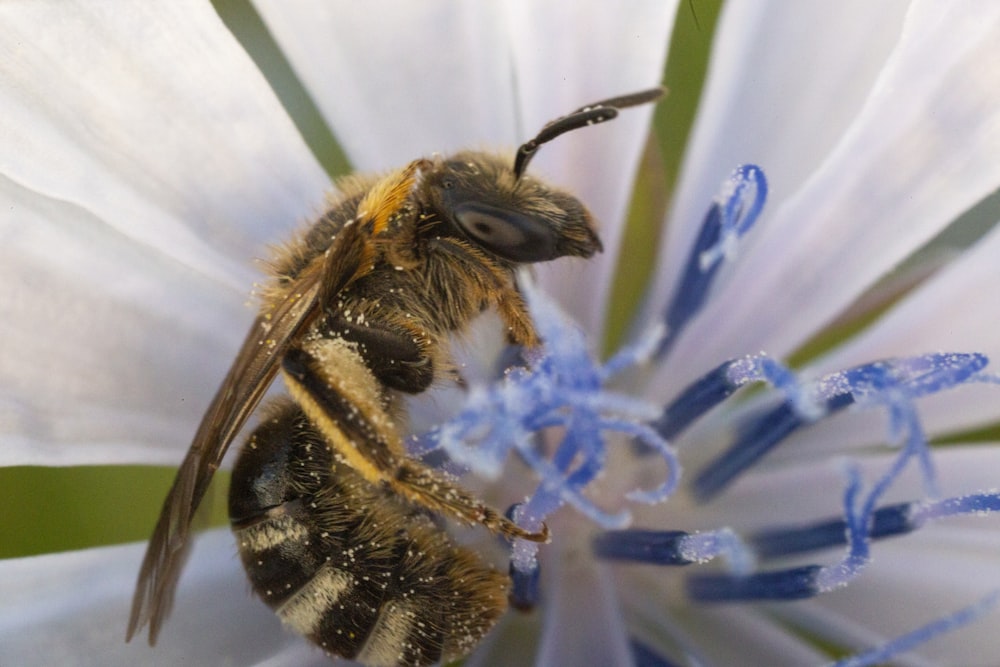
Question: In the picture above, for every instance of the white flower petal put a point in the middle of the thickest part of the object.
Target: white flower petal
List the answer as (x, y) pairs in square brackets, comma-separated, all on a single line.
[(840, 630), (956, 310), (779, 95), (401, 80), (913, 582), (741, 635), (920, 152), (583, 622), (137, 182), (72, 609), (761, 85), (811, 491)]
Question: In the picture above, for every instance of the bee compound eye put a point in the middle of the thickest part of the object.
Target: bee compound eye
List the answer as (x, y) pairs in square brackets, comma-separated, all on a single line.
[(516, 237)]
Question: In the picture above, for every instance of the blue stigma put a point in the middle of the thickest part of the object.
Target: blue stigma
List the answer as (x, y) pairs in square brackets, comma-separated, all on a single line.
[(563, 394), (892, 384), (881, 654), (731, 216)]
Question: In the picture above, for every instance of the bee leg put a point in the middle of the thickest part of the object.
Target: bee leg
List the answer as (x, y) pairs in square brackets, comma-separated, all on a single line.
[(495, 286), (396, 359), (343, 401), (514, 313), (437, 491)]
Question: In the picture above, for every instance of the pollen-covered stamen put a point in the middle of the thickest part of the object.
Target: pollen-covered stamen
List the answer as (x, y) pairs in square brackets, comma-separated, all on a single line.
[(889, 521), (742, 199), (756, 437), (776, 542), (674, 547), (892, 384), (731, 216), (524, 589), (657, 547), (699, 397), (797, 582), (861, 524)]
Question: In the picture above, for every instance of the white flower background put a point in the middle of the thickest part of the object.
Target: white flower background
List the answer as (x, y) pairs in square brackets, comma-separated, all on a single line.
[(144, 160)]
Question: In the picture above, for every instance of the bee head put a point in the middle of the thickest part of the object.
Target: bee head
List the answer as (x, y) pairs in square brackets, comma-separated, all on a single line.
[(497, 206), (520, 220)]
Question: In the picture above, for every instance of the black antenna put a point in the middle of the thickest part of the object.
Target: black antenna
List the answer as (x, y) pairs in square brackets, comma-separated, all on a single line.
[(592, 114)]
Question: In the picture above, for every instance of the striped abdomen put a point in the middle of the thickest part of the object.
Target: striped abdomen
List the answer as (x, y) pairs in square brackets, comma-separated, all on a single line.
[(348, 565)]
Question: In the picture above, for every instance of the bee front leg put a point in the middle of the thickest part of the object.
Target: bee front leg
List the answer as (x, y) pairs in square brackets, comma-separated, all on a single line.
[(514, 313)]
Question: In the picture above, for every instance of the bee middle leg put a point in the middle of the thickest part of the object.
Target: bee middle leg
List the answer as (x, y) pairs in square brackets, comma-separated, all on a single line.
[(395, 358)]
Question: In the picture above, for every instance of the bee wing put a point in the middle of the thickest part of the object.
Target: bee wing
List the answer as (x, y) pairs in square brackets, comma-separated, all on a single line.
[(249, 377)]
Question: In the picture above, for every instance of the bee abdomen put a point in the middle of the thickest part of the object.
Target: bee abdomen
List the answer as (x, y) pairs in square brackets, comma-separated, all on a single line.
[(348, 565)]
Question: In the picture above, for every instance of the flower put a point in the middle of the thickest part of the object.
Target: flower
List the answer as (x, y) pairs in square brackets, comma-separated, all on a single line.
[(138, 179)]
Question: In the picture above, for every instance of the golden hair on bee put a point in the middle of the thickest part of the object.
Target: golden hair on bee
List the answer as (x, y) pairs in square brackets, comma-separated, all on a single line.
[(330, 513)]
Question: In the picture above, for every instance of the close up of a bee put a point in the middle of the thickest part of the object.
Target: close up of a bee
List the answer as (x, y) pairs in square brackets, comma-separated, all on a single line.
[(334, 522)]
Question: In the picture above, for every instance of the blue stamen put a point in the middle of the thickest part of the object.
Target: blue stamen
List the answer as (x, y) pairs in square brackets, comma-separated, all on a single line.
[(732, 215), (657, 547), (708, 545), (698, 398), (644, 656), (564, 389), (798, 582), (524, 587), (910, 640), (792, 584), (886, 522), (918, 376), (892, 384), (674, 547), (759, 437)]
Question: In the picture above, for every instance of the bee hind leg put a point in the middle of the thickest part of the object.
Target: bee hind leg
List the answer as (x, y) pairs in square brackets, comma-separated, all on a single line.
[(339, 394), (436, 491)]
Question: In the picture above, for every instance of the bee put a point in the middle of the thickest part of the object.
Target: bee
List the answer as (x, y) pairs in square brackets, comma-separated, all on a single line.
[(335, 523)]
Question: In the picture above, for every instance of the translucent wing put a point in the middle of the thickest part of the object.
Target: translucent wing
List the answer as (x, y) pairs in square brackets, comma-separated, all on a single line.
[(248, 379)]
